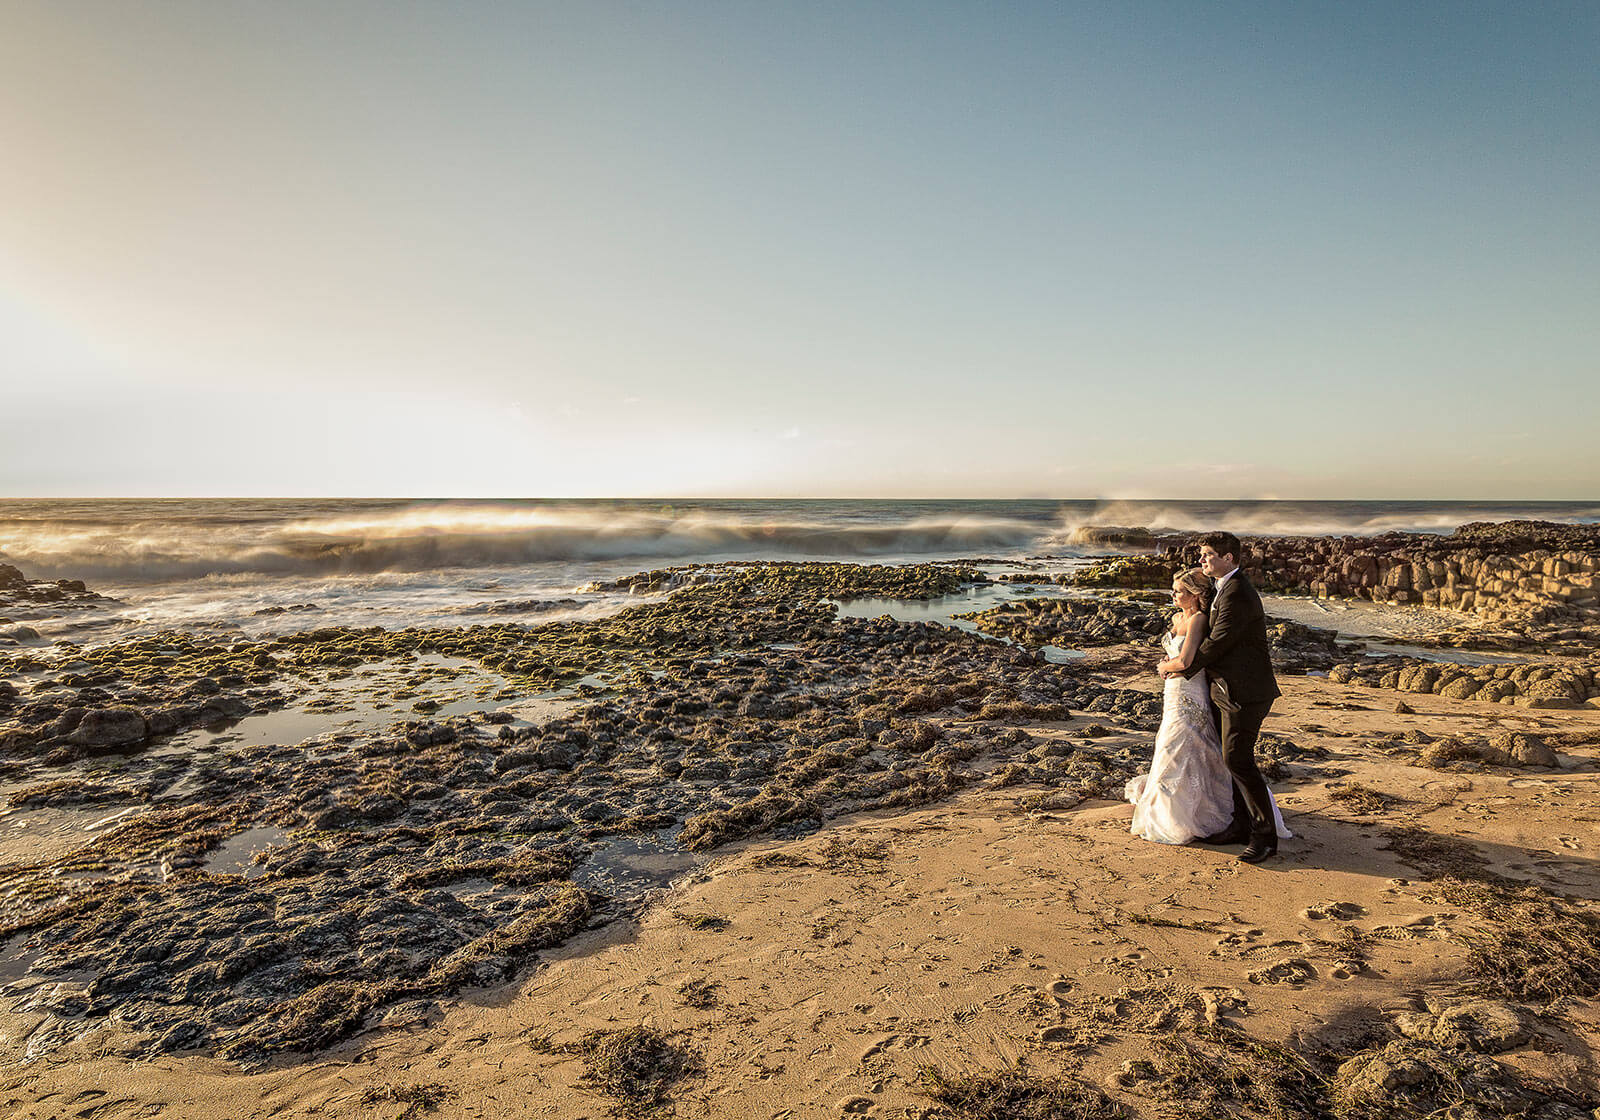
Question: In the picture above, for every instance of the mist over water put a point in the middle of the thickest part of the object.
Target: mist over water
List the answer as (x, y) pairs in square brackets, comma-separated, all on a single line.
[(254, 566), (154, 541)]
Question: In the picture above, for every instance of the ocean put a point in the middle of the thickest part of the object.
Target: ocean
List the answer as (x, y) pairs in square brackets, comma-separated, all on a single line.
[(250, 567)]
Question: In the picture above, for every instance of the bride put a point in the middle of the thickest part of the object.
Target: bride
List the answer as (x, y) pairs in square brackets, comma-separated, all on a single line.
[(1188, 792)]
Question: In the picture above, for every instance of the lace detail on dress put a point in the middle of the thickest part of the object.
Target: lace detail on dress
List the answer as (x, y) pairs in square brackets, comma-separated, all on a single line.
[(1192, 708)]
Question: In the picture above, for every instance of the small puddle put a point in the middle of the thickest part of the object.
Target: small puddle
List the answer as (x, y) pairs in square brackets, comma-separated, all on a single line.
[(235, 855), (628, 866), (39, 834), (943, 610), (382, 693), (16, 962)]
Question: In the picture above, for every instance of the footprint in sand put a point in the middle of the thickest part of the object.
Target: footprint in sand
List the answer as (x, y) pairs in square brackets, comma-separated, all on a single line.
[(894, 1042), (1414, 927), (1339, 911), (855, 1106), (1070, 1037), (1290, 970), (1059, 989), (1219, 1002)]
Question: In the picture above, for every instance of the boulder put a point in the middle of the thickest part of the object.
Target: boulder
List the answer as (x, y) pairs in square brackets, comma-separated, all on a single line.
[(110, 727), (1518, 748), (1486, 1026)]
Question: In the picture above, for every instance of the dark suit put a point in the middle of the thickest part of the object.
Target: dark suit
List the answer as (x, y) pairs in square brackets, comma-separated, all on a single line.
[(1238, 656)]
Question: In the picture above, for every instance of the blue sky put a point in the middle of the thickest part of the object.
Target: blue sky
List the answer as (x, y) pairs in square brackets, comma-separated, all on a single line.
[(1121, 250)]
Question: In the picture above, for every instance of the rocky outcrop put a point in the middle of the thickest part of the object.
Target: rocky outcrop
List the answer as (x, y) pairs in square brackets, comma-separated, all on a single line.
[(35, 597), (398, 865), (1126, 571), (1536, 572), (1073, 623), (1527, 685)]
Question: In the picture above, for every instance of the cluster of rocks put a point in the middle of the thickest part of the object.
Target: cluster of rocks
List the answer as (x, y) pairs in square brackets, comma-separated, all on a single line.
[(522, 606), (1534, 572), (28, 599), (1073, 623), (1103, 621), (1443, 1064), (1527, 685), (1125, 572), (1302, 649), (63, 720), (1505, 748), (406, 864)]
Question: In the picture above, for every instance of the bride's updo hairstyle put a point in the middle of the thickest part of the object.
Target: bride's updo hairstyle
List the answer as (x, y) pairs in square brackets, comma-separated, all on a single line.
[(1198, 584)]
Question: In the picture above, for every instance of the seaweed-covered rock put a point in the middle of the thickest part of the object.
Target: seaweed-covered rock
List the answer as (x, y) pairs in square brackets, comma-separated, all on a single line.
[(109, 727), (1073, 623)]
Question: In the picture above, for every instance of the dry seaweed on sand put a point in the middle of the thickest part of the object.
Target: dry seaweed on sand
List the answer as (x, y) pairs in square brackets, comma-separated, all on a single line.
[(636, 1067), (1534, 945), (1170, 923), (1531, 944), (1215, 1071), (1435, 855), (699, 993), (857, 854), (418, 1099), (1359, 798), (1015, 1094), (710, 923)]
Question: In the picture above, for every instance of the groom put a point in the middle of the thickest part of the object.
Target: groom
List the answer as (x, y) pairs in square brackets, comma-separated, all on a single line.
[(1237, 654)]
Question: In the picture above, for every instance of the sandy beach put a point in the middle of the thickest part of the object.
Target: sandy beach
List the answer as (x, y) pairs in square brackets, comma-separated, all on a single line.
[(881, 869)]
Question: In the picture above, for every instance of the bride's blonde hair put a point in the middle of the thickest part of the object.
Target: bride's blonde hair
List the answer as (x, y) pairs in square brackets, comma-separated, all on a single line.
[(1198, 584)]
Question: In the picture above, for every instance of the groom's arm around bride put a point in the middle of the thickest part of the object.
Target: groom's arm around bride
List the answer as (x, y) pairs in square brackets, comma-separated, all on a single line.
[(1238, 656)]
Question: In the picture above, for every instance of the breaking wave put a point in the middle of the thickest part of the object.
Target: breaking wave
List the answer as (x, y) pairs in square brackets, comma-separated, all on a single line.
[(139, 541), (454, 537)]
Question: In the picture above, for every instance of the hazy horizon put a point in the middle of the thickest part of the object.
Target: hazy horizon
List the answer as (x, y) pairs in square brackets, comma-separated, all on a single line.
[(1133, 251)]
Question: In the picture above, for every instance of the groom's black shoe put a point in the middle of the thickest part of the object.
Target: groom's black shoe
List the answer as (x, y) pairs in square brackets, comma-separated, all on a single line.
[(1233, 834), (1261, 847)]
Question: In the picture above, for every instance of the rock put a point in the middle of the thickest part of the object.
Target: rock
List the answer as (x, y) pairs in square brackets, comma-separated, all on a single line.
[(1408, 1077), (1517, 748), (68, 721), (110, 727), (1484, 1026), (1375, 1076), (165, 721)]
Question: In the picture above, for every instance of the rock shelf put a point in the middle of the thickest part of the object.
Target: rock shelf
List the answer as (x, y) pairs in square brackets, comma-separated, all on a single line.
[(435, 855)]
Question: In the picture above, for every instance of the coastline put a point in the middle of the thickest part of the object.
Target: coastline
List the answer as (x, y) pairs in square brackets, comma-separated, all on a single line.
[(872, 795)]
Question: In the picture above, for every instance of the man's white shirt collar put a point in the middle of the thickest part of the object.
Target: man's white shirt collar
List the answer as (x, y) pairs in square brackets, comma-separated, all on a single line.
[(1224, 579)]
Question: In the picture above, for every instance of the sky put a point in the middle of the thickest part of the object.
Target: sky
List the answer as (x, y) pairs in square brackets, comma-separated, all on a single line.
[(1075, 250)]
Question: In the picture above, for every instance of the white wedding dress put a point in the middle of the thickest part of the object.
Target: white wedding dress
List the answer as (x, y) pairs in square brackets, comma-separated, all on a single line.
[(1188, 791)]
